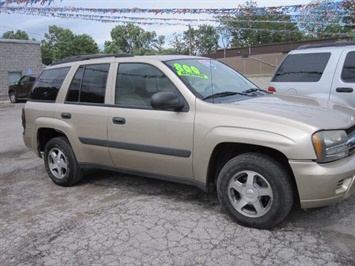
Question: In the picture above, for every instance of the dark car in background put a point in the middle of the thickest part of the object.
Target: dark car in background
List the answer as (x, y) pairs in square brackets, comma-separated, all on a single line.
[(22, 88)]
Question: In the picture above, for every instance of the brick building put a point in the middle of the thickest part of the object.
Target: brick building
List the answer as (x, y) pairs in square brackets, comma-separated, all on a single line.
[(17, 58)]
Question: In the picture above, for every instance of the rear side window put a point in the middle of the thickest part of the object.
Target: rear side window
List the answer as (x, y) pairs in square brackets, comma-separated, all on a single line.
[(89, 84), (48, 84), (348, 73), (302, 68)]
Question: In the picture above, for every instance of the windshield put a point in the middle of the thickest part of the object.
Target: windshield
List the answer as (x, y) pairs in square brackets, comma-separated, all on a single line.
[(209, 79)]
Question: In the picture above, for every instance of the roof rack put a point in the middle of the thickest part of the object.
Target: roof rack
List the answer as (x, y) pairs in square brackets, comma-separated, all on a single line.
[(88, 57), (334, 44)]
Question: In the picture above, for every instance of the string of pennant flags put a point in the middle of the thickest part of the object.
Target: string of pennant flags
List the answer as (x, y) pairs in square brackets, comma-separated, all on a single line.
[(136, 10), (108, 15), (162, 21), (5, 5), (295, 10), (28, 1), (109, 20)]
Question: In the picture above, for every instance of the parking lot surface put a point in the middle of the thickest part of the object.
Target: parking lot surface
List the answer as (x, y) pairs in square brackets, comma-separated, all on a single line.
[(118, 219)]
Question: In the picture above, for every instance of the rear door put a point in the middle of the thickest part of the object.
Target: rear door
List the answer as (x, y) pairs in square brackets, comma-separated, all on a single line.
[(343, 87), (83, 115)]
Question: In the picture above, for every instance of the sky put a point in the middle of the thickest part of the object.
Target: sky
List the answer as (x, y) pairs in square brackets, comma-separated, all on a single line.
[(36, 26)]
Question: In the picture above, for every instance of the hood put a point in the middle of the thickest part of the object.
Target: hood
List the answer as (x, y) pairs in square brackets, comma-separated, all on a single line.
[(321, 114)]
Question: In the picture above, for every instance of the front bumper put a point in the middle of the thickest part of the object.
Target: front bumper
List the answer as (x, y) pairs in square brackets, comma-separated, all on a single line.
[(324, 184)]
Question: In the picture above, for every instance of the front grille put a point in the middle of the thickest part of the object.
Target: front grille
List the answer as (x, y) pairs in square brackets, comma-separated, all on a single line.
[(351, 140)]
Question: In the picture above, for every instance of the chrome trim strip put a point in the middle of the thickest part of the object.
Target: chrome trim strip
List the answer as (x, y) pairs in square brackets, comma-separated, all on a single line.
[(137, 147)]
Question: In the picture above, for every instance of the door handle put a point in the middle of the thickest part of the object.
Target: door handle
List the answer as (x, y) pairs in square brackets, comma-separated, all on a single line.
[(119, 120), (65, 115), (344, 90)]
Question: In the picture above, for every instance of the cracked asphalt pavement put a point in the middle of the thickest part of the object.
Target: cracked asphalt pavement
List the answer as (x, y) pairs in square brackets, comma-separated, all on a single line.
[(118, 219)]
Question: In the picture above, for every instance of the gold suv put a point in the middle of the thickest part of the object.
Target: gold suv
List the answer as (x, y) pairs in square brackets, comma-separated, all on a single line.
[(196, 121)]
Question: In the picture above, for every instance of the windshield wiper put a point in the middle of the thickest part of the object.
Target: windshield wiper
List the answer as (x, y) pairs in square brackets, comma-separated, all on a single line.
[(298, 72), (255, 90), (224, 94)]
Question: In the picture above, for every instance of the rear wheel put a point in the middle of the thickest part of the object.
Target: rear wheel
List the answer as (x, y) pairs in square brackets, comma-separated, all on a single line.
[(60, 162), (13, 97), (255, 190)]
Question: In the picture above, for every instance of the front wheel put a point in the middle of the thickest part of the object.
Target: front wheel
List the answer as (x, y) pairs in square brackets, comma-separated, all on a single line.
[(60, 162), (255, 190), (13, 97)]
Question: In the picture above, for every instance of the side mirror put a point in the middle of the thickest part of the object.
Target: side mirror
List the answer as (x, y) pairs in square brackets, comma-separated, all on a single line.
[(166, 101)]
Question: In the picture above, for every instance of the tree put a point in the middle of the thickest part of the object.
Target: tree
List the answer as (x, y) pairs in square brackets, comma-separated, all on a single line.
[(160, 41), (207, 39), (19, 35), (190, 38), (327, 19), (134, 40), (349, 19), (178, 44), (84, 44), (225, 36), (254, 26), (203, 40), (60, 43)]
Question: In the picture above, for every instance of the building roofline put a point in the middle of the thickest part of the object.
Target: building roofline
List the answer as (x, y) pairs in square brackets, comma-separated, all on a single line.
[(19, 41)]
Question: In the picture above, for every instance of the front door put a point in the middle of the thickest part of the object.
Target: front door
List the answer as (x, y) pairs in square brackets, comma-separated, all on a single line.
[(141, 139), (21, 87)]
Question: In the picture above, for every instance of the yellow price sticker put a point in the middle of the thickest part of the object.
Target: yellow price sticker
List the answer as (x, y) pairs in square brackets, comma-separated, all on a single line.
[(191, 71)]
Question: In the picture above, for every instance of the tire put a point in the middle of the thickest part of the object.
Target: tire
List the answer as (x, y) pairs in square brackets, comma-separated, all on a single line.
[(255, 190), (60, 162), (13, 97)]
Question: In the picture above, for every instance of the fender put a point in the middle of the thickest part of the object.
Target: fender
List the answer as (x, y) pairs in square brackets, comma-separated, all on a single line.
[(204, 147)]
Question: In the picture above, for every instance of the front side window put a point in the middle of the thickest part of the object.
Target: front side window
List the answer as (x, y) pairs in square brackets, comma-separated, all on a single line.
[(302, 68), (24, 79), (348, 73), (48, 84), (136, 83), (89, 84)]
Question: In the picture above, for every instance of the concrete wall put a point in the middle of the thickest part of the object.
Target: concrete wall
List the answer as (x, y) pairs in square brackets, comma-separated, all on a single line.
[(263, 64), (18, 56), (262, 82)]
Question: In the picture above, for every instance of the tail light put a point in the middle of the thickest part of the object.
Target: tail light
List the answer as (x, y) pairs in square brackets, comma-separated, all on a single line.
[(271, 89), (23, 118)]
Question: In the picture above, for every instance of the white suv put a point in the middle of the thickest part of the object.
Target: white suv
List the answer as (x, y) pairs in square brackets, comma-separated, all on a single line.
[(324, 71)]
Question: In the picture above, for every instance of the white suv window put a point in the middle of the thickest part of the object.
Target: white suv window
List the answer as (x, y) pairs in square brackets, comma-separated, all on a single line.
[(348, 73), (302, 68)]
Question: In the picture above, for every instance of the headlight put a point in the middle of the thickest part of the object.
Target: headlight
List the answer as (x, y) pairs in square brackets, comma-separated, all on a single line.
[(330, 145)]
